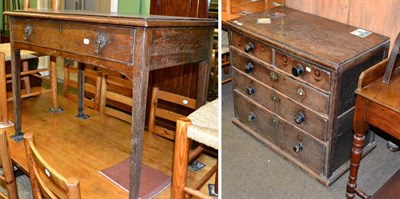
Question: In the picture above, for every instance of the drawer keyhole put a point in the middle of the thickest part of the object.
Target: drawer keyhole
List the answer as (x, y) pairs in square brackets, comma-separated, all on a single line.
[(273, 76)]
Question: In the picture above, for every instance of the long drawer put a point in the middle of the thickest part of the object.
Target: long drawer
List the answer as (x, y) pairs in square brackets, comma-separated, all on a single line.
[(298, 91), (107, 42), (296, 114), (288, 138)]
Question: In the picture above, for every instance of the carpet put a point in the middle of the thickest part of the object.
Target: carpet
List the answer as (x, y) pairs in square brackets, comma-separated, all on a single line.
[(152, 181)]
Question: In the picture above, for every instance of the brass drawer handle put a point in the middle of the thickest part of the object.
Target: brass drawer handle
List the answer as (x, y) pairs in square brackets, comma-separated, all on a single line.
[(299, 118), (274, 121), (251, 117), (248, 67), (249, 47), (28, 31), (298, 147), (250, 90), (275, 98), (101, 41), (273, 76)]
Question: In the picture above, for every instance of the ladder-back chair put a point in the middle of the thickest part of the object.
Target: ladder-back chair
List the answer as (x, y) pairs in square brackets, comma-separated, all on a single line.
[(45, 181)]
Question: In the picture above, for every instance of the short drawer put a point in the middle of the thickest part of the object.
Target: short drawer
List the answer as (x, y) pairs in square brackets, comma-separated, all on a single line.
[(297, 91), (116, 44), (252, 47), (296, 114), (285, 136), (306, 72)]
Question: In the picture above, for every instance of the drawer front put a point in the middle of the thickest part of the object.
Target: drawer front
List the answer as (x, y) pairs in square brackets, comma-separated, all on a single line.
[(309, 73), (258, 49), (287, 85), (286, 108), (116, 44), (293, 141)]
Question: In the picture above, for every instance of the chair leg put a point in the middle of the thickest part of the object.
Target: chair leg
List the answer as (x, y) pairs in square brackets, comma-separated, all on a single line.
[(3, 91), (216, 180), (181, 157)]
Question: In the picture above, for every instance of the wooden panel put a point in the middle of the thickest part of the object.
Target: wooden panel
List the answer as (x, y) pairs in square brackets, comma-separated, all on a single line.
[(375, 15), (179, 8), (378, 16)]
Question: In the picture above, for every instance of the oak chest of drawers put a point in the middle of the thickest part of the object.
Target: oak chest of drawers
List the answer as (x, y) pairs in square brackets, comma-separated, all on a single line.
[(294, 82)]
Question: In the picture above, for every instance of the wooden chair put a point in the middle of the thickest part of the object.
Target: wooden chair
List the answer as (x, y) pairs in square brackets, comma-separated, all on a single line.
[(45, 181), (159, 112), (377, 104), (93, 80), (7, 178), (5, 59), (200, 126), (111, 99)]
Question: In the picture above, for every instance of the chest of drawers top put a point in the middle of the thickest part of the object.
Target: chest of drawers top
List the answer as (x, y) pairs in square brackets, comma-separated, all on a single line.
[(323, 41)]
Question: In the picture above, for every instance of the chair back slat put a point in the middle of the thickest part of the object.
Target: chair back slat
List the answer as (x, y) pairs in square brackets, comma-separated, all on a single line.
[(47, 182)]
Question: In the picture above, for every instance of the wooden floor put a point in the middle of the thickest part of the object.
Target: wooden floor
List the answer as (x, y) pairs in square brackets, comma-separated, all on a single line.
[(81, 148)]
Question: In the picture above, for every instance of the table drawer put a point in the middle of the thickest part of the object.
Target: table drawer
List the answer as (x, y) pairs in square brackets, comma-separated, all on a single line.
[(79, 38), (297, 91), (311, 122), (252, 47), (285, 136), (301, 70)]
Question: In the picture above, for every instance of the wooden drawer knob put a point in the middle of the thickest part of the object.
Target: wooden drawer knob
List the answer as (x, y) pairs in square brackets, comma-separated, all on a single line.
[(298, 147), (250, 90), (299, 118), (251, 117), (248, 67), (297, 70), (248, 47)]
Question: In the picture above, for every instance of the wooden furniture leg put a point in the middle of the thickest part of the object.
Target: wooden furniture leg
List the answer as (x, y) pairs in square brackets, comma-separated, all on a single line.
[(3, 93), (7, 178), (181, 159), (16, 87), (25, 68), (53, 82), (81, 92), (140, 82), (360, 128)]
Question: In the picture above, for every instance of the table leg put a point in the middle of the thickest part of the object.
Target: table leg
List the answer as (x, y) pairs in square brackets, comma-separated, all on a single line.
[(360, 128), (81, 92), (140, 84), (53, 82), (16, 87), (202, 82)]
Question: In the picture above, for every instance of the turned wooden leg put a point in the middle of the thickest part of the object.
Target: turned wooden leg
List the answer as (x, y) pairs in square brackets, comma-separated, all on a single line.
[(360, 127), (181, 159), (25, 68), (53, 83)]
